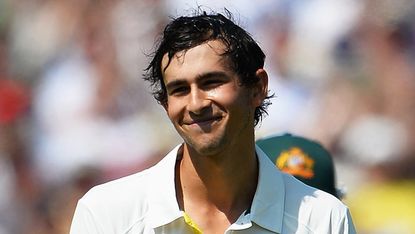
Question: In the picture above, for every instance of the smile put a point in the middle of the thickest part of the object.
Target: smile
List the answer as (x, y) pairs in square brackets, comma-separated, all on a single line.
[(204, 121)]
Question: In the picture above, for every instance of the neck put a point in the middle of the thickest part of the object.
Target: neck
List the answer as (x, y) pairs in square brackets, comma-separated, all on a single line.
[(224, 183)]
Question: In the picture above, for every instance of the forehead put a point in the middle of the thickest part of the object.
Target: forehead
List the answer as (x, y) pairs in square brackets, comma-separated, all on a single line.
[(208, 55)]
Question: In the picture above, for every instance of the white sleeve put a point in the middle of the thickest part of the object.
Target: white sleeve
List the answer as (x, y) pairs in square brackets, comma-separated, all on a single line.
[(83, 221), (346, 225)]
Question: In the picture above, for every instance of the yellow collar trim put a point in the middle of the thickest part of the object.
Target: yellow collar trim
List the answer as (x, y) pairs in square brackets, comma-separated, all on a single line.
[(192, 224)]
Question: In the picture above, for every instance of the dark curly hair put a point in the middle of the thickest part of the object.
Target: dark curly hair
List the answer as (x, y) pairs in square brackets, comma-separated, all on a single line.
[(185, 32)]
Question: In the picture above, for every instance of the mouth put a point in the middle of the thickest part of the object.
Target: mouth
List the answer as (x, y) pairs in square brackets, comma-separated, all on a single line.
[(204, 121)]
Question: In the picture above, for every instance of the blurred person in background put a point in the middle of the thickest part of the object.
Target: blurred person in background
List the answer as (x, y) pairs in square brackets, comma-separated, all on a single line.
[(17, 178), (384, 202), (76, 103), (374, 88), (84, 113), (81, 115), (304, 158), (208, 74)]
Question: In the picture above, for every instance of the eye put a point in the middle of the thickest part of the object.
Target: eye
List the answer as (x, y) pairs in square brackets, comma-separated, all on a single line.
[(178, 90), (212, 83)]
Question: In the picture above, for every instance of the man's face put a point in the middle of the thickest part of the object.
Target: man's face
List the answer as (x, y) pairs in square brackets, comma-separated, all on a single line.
[(205, 102)]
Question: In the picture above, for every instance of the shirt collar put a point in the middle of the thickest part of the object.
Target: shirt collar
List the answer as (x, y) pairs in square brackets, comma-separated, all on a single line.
[(162, 202), (266, 210)]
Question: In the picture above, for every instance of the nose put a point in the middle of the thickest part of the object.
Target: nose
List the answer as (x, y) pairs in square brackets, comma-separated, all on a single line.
[(198, 101)]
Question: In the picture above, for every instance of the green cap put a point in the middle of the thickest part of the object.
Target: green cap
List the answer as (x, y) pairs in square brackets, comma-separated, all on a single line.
[(304, 158)]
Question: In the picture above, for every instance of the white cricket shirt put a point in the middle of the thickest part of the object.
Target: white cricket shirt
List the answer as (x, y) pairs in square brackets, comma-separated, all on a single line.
[(146, 203)]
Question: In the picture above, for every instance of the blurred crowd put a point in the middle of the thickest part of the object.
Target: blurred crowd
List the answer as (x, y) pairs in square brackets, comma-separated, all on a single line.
[(74, 111)]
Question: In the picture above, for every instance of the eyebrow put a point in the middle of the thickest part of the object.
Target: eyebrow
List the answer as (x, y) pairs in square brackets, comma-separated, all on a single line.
[(220, 74), (200, 77)]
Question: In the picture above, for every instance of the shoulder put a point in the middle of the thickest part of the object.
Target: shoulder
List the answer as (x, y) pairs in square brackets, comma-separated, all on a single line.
[(120, 195), (130, 191), (314, 210), (117, 205), (122, 189), (122, 205), (301, 192)]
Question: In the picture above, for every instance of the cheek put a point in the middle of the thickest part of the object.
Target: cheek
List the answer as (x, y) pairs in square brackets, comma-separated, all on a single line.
[(226, 97), (173, 109), (237, 100)]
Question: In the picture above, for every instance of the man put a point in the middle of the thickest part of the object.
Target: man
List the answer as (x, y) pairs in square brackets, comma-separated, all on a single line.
[(208, 75)]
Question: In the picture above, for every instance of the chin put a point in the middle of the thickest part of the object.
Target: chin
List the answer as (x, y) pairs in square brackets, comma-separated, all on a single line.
[(207, 150), (206, 146)]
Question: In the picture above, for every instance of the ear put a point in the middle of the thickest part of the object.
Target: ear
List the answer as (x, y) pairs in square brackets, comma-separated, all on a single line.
[(260, 89)]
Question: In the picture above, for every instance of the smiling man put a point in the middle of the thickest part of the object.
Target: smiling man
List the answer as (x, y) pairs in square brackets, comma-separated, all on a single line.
[(206, 103), (208, 74)]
